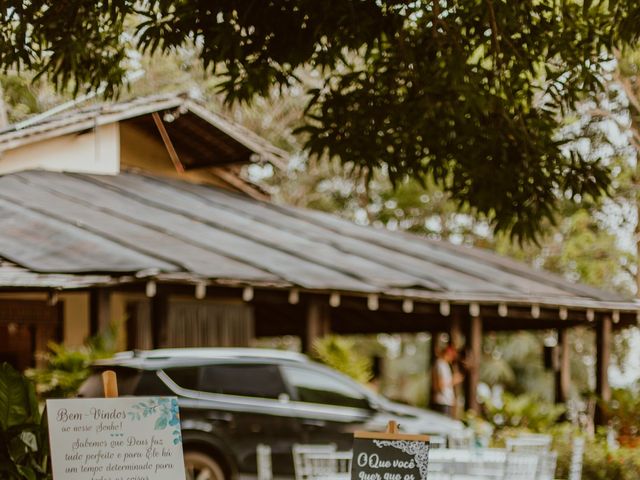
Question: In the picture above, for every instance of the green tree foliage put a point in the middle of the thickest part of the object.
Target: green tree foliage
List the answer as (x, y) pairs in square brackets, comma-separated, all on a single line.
[(23, 434), (340, 353), (468, 94), (21, 98)]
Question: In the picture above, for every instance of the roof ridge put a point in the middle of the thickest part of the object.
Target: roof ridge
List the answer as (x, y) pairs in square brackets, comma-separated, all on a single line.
[(76, 120)]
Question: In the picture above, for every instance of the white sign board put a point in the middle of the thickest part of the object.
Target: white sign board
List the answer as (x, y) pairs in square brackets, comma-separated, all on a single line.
[(127, 438)]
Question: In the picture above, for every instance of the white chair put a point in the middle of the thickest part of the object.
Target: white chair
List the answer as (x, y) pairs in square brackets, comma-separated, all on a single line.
[(577, 454), (540, 437), (491, 464), (438, 469), (529, 444), (328, 466), (462, 439), (263, 460), (436, 441), (547, 462), (520, 466), (300, 468)]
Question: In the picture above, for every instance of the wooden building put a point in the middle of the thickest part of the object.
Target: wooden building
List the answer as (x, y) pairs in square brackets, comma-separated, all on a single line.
[(138, 212)]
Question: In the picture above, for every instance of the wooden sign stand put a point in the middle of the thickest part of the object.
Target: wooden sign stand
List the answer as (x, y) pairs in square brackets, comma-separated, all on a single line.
[(110, 384), (392, 433), (389, 455)]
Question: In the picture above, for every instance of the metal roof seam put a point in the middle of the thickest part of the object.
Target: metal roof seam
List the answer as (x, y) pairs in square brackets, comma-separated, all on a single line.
[(111, 213), (275, 245), (223, 227), (81, 226)]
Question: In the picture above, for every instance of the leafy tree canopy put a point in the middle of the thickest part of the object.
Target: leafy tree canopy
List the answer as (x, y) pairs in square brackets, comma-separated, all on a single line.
[(467, 93)]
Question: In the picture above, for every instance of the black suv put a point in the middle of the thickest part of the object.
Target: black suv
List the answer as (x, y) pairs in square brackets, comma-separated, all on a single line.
[(231, 400)]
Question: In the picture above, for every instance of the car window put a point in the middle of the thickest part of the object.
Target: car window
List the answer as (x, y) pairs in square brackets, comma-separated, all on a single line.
[(249, 380), (150, 384), (185, 377), (313, 386)]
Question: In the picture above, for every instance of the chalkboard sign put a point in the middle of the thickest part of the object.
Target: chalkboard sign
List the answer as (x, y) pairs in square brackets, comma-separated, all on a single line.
[(389, 456)]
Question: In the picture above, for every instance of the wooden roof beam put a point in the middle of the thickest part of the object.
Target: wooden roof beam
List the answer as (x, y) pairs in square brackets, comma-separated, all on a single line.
[(168, 144)]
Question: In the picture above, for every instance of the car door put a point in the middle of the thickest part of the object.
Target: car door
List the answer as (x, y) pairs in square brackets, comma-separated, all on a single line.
[(328, 407), (252, 408)]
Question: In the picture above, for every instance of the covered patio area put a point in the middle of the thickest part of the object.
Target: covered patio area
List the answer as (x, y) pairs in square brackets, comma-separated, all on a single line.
[(193, 265)]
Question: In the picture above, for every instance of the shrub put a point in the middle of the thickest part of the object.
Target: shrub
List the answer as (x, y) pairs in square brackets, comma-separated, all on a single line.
[(623, 411), (522, 412), (67, 368), (24, 446), (601, 462)]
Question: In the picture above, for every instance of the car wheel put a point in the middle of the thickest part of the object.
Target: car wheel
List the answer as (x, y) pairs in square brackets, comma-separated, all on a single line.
[(200, 466)]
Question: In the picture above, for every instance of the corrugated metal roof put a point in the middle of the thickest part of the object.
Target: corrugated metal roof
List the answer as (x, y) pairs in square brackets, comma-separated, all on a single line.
[(66, 223), (13, 276)]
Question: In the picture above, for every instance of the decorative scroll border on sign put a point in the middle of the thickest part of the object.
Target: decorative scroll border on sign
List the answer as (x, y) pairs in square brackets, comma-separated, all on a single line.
[(420, 452)]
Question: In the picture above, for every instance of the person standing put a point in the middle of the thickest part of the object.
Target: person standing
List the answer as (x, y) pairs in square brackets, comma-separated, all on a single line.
[(444, 381)]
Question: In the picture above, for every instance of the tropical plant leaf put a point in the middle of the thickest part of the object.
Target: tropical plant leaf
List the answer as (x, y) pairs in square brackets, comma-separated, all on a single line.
[(14, 399)]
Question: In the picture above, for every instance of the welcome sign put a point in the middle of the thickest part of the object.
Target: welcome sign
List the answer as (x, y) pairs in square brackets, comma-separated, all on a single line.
[(129, 438)]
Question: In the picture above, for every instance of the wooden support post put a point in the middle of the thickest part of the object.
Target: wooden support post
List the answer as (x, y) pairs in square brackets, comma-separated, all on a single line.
[(431, 362), (159, 313), (455, 331), (562, 372), (318, 322), (456, 341), (603, 352), (474, 355), (166, 139), (99, 310)]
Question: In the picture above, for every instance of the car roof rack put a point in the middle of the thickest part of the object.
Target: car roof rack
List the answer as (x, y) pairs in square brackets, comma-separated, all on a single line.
[(210, 353)]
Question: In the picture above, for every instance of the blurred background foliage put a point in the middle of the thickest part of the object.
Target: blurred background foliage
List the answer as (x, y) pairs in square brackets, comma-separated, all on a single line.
[(340, 353), (66, 367)]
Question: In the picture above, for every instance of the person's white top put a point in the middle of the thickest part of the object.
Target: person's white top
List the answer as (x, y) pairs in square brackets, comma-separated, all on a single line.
[(446, 395)]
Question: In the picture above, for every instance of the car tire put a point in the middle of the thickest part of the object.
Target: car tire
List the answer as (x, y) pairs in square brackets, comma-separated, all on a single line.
[(200, 466)]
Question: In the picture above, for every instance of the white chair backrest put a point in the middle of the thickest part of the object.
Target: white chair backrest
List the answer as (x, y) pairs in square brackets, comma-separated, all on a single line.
[(439, 468), (263, 460), (325, 466), (520, 466), (436, 441), (300, 468), (577, 454), (529, 444), (462, 439)]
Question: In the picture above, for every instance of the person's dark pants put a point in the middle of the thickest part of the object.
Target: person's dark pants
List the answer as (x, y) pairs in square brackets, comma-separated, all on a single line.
[(445, 409)]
